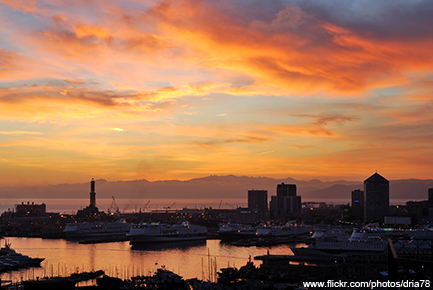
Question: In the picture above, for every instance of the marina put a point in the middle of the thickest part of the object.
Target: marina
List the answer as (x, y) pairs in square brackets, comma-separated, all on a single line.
[(118, 259)]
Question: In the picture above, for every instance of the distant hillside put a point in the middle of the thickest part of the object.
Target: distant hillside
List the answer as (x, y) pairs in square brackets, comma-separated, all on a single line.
[(229, 186)]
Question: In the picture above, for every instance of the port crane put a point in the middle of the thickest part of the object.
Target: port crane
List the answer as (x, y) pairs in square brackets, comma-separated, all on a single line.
[(114, 209), (168, 207), (229, 205), (144, 208)]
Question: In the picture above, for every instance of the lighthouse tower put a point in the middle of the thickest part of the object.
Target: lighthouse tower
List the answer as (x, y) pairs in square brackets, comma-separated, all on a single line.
[(92, 194)]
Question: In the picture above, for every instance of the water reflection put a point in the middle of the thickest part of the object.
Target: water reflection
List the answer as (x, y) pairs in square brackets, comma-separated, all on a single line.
[(188, 259), (186, 245)]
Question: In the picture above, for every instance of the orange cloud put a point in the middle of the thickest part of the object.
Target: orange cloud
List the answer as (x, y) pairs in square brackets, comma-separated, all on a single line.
[(331, 57), (205, 87), (291, 50)]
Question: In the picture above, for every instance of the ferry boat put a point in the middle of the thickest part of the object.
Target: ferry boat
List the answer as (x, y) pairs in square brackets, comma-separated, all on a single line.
[(117, 229), (424, 232), (373, 238), (331, 233), (157, 232), (342, 246), (348, 245)]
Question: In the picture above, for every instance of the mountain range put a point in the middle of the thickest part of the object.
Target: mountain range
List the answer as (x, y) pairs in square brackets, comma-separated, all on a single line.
[(224, 187)]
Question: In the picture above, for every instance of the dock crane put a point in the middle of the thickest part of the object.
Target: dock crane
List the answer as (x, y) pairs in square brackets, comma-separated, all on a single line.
[(114, 209), (144, 208), (230, 205), (168, 207)]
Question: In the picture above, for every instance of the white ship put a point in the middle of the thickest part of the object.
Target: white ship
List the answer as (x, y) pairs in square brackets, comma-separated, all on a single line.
[(331, 233), (372, 231), (334, 240), (348, 245), (97, 229), (157, 232)]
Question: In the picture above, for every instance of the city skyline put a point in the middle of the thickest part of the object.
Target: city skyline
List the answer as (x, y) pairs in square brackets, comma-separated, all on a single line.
[(122, 90)]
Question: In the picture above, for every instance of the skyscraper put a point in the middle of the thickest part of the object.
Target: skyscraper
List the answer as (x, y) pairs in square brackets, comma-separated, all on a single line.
[(286, 189), (286, 204), (258, 200), (376, 198), (358, 204)]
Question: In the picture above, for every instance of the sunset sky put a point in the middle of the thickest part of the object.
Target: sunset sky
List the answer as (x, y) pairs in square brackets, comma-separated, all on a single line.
[(157, 90)]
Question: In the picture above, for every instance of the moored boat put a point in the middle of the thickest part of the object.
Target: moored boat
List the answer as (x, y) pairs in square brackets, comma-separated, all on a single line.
[(157, 232), (86, 230), (11, 260)]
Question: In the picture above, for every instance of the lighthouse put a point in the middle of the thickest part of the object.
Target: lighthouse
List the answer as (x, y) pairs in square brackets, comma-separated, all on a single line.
[(92, 194)]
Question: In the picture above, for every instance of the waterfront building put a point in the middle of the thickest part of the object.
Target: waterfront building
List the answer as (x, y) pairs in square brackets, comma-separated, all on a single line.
[(421, 211), (376, 198), (357, 211), (30, 209), (258, 200), (286, 204)]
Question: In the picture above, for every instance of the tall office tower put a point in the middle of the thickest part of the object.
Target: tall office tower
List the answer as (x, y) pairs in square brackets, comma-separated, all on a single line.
[(92, 194), (376, 198), (358, 204), (286, 204), (258, 200), (286, 189)]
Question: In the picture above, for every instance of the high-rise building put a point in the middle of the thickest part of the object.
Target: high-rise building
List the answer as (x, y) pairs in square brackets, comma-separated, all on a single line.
[(286, 204), (358, 204), (258, 200), (376, 198), (286, 189)]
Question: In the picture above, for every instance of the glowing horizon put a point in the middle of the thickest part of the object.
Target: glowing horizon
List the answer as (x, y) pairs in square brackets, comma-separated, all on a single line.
[(121, 90)]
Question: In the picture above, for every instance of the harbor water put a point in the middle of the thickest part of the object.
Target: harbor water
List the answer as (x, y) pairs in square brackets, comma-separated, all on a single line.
[(128, 205), (191, 260), (72, 205)]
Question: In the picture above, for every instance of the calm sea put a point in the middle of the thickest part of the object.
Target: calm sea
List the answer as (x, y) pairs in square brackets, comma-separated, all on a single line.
[(190, 260), (70, 206)]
